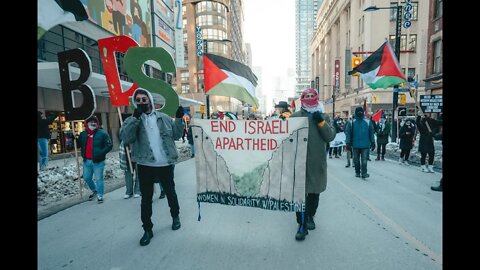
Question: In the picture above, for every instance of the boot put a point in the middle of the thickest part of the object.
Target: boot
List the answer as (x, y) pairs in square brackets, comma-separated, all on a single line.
[(439, 187), (301, 233), (310, 224), (348, 163), (378, 157), (146, 238), (176, 223), (430, 168), (424, 168), (383, 158)]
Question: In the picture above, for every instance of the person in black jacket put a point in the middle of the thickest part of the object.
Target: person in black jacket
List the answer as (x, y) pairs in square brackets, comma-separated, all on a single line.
[(407, 134), (425, 145), (43, 135), (95, 143)]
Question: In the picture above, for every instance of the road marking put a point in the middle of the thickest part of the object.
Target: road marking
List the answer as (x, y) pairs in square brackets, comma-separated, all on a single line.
[(397, 228)]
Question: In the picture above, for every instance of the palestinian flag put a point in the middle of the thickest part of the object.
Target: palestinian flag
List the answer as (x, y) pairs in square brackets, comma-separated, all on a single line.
[(53, 12), (225, 77), (376, 117), (380, 70)]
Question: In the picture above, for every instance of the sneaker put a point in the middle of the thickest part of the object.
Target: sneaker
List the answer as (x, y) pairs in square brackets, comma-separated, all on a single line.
[(430, 169), (365, 175), (136, 195), (424, 168), (439, 188), (310, 223), (348, 165), (301, 233), (176, 223), (99, 199), (126, 196), (357, 175), (146, 238), (337, 157), (91, 196), (378, 157), (383, 159), (400, 161), (405, 162), (162, 195)]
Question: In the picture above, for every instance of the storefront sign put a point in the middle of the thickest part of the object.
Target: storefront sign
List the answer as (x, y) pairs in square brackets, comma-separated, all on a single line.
[(179, 46), (88, 106), (164, 12), (164, 32), (408, 15), (431, 103)]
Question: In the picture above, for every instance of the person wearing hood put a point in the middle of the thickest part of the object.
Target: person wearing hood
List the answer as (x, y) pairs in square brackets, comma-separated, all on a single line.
[(407, 135), (383, 131), (320, 132), (95, 143), (360, 138), (152, 136), (43, 134)]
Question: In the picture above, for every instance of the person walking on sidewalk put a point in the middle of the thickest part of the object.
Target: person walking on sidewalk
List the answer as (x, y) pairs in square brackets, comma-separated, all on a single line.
[(132, 186), (43, 135), (439, 136), (360, 138), (407, 133), (152, 135), (320, 132), (383, 131), (95, 143)]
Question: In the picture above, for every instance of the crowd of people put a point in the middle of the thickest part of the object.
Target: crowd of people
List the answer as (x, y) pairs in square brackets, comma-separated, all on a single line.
[(148, 153)]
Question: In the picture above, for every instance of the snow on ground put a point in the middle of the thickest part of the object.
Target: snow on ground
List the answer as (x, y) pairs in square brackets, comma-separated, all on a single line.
[(59, 182)]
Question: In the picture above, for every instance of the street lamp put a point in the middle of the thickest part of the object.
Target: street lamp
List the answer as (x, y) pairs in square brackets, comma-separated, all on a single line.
[(205, 50), (398, 30), (333, 99)]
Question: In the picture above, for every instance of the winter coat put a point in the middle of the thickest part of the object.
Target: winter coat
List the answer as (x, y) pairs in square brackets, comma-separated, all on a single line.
[(133, 132), (190, 135), (318, 137), (101, 144), (406, 141), (43, 131), (425, 143), (382, 134), (363, 133)]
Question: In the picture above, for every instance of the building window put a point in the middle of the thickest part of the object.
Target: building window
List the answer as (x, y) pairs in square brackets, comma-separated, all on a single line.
[(359, 26), (185, 88), (184, 76), (393, 11), (403, 42), (412, 44), (437, 56), (414, 11), (411, 74), (438, 8)]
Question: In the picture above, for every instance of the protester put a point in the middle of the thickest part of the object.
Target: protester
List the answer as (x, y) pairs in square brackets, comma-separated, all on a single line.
[(152, 135), (95, 143), (43, 135), (360, 138), (439, 136), (383, 130), (282, 110), (425, 145), (320, 132), (132, 186), (407, 135)]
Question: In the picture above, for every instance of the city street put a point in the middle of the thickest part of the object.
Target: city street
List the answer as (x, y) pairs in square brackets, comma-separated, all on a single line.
[(391, 220)]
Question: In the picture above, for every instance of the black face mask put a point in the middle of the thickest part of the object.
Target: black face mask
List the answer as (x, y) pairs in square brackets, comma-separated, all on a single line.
[(143, 107), (359, 114)]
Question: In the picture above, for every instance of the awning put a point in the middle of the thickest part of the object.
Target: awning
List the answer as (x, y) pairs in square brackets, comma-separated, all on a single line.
[(48, 76)]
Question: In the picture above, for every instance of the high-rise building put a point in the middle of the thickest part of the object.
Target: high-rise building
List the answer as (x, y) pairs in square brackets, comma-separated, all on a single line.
[(216, 27), (305, 14), (434, 78)]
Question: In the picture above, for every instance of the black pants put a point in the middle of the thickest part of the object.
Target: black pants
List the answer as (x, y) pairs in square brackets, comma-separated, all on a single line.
[(147, 176), (405, 153), (310, 206), (424, 156), (381, 147)]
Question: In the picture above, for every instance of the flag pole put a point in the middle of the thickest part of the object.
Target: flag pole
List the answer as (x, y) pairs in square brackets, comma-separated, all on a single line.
[(76, 158)]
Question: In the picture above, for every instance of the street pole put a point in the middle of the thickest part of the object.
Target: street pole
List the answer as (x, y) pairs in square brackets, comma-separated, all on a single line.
[(333, 97), (207, 97), (398, 30)]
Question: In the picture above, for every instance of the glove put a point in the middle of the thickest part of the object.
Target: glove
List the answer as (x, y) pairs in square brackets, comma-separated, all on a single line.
[(317, 116), (372, 147), (137, 113), (180, 112), (349, 147)]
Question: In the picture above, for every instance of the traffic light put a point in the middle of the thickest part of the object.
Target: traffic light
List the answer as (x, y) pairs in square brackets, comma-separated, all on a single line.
[(403, 99), (254, 108), (374, 99), (412, 92), (355, 62), (202, 108)]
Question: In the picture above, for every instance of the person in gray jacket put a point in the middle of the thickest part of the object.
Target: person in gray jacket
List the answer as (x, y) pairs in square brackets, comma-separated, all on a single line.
[(152, 136), (360, 138)]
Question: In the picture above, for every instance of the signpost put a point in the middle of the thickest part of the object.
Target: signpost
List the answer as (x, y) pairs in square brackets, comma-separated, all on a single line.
[(431, 103)]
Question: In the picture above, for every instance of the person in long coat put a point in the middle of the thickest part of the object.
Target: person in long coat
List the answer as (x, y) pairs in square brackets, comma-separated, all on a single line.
[(425, 144), (320, 132), (407, 134), (383, 131)]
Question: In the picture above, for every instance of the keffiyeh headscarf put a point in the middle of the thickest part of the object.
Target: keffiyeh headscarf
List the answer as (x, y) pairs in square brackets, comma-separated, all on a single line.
[(311, 104)]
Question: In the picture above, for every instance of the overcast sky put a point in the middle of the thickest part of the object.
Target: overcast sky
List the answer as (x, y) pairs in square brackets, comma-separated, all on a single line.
[(269, 27)]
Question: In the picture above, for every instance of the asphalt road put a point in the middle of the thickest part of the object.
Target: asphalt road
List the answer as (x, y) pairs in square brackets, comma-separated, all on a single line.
[(390, 221)]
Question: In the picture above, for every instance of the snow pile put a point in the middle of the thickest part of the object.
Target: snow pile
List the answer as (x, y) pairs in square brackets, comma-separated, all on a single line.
[(59, 182)]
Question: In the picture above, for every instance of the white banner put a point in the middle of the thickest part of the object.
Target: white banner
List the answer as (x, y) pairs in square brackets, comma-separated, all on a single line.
[(251, 163)]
